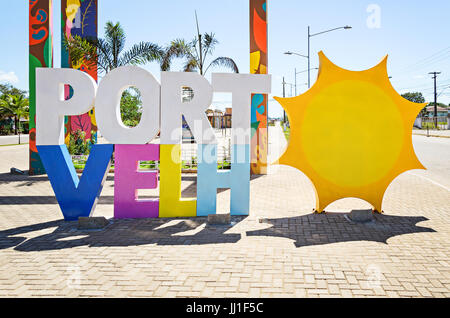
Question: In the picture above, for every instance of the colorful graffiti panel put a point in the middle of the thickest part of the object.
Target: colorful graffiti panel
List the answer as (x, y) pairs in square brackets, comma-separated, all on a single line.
[(79, 18), (40, 55), (258, 65)]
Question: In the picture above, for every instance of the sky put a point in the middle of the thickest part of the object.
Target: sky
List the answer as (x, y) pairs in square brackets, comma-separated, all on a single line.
[(415, 34)]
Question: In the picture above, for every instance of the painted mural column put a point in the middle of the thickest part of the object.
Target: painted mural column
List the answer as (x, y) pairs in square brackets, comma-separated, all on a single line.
[(79, 18), (258, 65), (41, 55)]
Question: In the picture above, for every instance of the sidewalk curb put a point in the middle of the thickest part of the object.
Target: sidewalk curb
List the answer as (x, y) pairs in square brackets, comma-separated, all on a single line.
[(435, 136)]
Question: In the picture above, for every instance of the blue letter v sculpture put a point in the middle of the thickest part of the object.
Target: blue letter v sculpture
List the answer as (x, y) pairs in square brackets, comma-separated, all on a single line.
[(76, 197)]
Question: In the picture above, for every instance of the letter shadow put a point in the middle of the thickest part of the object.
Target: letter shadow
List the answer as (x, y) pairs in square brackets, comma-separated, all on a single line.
[(26, 180), (127, 232)]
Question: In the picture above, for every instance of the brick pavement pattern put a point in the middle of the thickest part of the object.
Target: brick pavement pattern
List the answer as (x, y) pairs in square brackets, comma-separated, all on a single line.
[(280, 250)]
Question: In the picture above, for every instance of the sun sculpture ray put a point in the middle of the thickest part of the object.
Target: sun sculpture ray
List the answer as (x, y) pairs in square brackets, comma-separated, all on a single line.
[(351, 134)]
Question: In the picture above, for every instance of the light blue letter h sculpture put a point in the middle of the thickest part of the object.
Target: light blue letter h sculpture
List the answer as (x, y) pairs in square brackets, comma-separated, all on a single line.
[(237, 179)]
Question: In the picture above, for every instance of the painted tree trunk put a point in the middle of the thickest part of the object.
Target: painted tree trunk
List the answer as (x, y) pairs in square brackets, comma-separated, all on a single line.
[(79, 18), (40, 55)]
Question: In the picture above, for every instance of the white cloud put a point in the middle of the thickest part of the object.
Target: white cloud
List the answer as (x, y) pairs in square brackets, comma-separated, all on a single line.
[(10, 77)]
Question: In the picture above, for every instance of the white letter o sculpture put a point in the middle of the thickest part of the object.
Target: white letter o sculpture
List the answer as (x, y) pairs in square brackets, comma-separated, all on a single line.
[(107, 106)]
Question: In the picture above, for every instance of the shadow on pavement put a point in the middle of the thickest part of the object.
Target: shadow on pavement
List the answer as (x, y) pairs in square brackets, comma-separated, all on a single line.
[(26, 180), (305, 230), (42, 199), (119, 233), (321, 229)]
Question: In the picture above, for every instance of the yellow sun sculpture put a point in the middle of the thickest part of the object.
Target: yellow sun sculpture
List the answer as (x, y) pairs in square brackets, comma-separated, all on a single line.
[(351, 134)]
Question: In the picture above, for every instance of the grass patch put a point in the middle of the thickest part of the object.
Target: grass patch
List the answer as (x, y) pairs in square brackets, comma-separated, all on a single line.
[(79, 163), (14, 145), (287, 133), (432, 125)]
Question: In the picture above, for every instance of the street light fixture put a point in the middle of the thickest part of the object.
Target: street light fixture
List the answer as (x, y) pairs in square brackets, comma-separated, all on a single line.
[(293, 53), (347, 27)]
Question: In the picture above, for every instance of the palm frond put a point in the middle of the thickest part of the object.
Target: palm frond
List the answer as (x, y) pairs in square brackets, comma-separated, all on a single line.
[(115, 37), (81, 51), (224, 62), (209, 43), (141, 53), (105, 56), (195, 50), (191, 65), (177, 49), (14, 105)]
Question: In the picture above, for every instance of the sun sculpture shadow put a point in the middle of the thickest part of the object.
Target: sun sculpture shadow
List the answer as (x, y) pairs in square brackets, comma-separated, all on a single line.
[(351, 134)]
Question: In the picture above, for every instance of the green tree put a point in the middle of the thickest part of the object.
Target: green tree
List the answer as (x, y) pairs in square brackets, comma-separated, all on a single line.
[(78, 145), (16, 106), (415, 97), (8, 89), (108, 53), (131, 107), (196, 53)]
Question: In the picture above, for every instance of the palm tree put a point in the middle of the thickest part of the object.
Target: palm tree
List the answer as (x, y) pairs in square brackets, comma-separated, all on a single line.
[(196, 52), (16, 106), (108, 53)]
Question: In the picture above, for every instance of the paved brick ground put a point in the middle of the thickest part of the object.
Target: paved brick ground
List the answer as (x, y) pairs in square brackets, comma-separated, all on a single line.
[(281, 250)]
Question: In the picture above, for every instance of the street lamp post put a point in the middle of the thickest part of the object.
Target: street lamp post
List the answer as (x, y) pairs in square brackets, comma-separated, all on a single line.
[(284, 112), (309, 48), (296, 73), (309, 56)]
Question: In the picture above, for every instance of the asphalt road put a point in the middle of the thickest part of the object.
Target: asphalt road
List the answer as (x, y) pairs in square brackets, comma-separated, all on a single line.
[(434, 153), (13, 140)]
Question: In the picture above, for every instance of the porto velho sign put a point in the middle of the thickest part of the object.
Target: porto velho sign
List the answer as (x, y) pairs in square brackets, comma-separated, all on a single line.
[(162, 111)]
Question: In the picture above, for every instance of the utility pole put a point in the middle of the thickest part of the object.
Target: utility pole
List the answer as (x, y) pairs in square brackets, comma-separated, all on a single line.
[(284, 95), (200, 45), (435, 74)]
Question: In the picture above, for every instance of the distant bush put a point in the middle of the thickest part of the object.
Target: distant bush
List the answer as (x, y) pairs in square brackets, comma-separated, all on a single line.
[(78, 145)]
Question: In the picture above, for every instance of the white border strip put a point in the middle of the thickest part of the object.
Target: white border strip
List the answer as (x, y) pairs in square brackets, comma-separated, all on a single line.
[(430, 180)]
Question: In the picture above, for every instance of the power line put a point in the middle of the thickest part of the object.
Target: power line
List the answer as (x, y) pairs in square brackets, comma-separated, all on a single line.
[(430, 59), (431, 56), (444, 83), (435, 74), (443, 90)]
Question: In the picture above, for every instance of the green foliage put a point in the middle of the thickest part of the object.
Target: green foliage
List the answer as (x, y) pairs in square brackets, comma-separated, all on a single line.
[(131, 107), (432, 125), (287, 133), (16, 106), (149, 165), (415, 97), (78, 145), (108, 53), (8, 89), (224, 165), (6, 126), (195, 54)]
